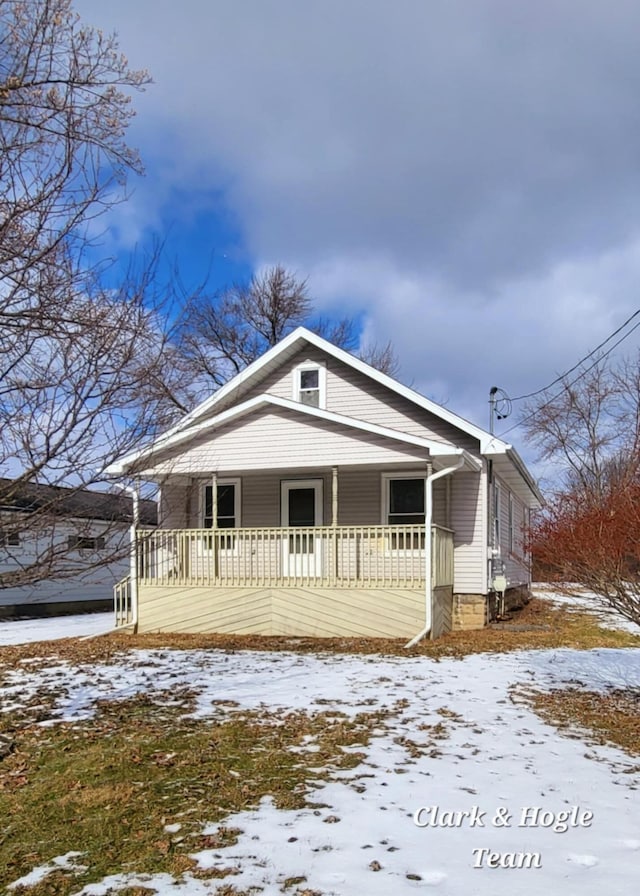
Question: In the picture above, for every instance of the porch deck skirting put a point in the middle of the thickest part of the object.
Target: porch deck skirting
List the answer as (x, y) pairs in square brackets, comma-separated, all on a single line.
[(342, 581)]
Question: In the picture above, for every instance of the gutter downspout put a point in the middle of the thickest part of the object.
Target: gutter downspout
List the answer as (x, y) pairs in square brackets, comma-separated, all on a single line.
[(428, 516), (133, 553)]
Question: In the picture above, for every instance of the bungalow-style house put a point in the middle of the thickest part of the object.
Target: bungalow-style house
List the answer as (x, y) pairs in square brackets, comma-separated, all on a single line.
[(314, 495), (62, 550)]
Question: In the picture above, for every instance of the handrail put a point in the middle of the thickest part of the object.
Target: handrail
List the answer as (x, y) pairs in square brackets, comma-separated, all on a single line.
[(122, 602), (327, 556)]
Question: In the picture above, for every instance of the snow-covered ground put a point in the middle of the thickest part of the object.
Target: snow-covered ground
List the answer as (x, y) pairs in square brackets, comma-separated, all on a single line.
[(565, 810), (50, 628), (586, 601)]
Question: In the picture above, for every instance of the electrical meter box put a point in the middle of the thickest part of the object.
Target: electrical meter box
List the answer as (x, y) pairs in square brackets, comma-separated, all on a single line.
[(499, 583)]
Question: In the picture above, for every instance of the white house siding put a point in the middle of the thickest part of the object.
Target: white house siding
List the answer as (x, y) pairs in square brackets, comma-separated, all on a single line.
[(93, 591), (351, 393), (94, 587), (275, 439), (175, 506), (468, 521)]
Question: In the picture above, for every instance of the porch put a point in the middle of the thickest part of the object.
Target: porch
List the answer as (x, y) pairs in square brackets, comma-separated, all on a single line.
[(290, 580)]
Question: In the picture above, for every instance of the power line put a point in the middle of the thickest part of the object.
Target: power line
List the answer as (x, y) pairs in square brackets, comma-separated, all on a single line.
[(580, 375), (586, 358)]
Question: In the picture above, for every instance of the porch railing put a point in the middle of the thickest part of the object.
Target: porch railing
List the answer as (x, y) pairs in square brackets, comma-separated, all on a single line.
[(335, 557)]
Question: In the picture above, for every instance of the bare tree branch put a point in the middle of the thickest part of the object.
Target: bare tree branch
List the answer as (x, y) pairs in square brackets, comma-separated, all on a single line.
[(589, 533), (78, 361), (221, 334)]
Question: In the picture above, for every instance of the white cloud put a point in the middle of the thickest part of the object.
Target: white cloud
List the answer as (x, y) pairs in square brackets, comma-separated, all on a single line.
[(464, 174)]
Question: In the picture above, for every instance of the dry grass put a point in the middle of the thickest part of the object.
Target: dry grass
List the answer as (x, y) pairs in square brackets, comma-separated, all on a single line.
[(602, 718), (109, 787), (540, 625)]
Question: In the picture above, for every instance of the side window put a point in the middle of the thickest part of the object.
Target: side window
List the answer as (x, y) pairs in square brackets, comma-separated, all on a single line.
[(403, 505), (309, 385), (512, 525), (405, 501), (496, 514)]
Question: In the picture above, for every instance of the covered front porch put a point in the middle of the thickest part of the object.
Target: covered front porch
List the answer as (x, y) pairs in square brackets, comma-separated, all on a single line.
[(320, 580), (287, 520)]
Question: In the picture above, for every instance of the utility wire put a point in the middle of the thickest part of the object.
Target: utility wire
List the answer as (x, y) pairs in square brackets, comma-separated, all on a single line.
[(586, 358), (580, 375)]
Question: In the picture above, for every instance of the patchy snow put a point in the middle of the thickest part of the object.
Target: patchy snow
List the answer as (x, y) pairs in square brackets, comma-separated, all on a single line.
[(58, 863), (589, 602), (374, 829), (51, 628)]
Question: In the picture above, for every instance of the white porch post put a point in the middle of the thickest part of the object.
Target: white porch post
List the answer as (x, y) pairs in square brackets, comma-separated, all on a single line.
[(214, 500), (213, 555), (334, 521), (334, 496)]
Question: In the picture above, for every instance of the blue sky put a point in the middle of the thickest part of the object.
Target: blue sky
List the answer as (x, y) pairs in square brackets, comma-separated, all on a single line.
[(463, 178)]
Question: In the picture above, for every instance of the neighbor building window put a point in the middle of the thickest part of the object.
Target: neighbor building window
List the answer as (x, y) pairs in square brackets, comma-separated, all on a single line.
[(309, 385), (9, 539), (86, 543)]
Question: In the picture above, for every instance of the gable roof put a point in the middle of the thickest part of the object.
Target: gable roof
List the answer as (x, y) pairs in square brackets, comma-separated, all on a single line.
[(228, 400), (179, 436), (288, 347)]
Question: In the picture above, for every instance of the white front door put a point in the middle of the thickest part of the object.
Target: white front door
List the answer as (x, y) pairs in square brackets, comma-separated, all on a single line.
[(301, 507)]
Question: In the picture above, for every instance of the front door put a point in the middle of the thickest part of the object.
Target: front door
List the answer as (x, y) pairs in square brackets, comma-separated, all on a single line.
[(301, 508)]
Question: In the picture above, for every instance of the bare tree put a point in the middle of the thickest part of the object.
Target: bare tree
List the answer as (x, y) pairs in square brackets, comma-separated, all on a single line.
[(588, 423), (589, 533), (78, 362), (221, 334), (382, 357)]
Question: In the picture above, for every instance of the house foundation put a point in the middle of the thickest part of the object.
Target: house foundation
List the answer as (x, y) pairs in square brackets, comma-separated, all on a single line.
[(469, 612)]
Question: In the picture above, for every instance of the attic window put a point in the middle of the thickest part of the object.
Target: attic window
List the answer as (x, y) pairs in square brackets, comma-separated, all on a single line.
[(309, 385)]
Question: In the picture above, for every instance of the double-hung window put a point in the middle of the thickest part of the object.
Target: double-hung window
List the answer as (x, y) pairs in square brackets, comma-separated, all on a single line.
[(309, 384), (404, 505), (9, 539), (512, 525), (497, 505), (227, 508)]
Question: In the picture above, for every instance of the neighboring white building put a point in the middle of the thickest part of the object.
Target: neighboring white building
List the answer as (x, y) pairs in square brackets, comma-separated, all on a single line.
[(61, 549), (300, 497)]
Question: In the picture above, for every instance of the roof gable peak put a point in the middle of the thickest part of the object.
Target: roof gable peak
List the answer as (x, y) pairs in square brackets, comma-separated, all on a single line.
[(289, 345)]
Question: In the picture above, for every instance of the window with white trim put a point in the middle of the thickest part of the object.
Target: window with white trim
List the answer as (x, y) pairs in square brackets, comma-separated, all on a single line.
[(9, 539), (512, 525), (403, 503), (227, 512), (227, 504), (309, 385), (496, 514)]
